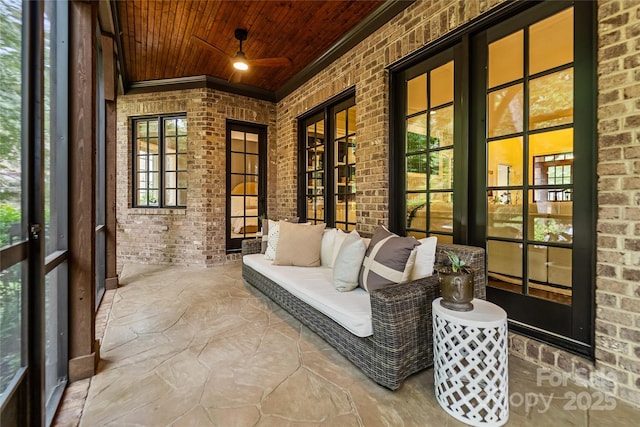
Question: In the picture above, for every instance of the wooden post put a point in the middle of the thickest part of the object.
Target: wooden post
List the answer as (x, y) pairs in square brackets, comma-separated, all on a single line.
[(84, 351), (110, 95)]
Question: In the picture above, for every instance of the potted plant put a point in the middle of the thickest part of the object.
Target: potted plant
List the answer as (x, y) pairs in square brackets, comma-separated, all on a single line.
[(456, 284)]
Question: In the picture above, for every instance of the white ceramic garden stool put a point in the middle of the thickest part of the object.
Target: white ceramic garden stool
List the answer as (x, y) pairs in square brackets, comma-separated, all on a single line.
[(471, 363)]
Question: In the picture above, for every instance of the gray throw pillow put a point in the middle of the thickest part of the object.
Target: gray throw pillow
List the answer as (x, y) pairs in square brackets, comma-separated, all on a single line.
[(385, 260)]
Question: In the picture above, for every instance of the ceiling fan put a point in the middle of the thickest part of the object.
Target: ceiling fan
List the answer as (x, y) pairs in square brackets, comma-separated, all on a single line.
[(239, 61)]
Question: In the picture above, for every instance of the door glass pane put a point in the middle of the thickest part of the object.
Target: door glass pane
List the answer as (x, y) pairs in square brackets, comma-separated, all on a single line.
[(252, 147), (417, 94), (505, 214), (550, 219), (551, 100), (10, 324), (417, 172), (237, 163), (506, 59), (504, 263), (251, 164), (441, 127), (505, 111), (441, 170), (237, 145), (504, 165), (417, 133), (417, 211), (441, 212), (550, 273), (549, 149), (551, 42), (341, 124), (441, 85)]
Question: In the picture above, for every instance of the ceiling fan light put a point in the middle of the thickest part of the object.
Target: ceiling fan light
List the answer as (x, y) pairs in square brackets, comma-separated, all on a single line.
[(240, 62)]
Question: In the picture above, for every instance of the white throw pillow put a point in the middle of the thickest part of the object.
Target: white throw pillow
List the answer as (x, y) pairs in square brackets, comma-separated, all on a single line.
[(272, 242), (346, 268), (337, 242), (411, 262), (425, 258), (326, 247)]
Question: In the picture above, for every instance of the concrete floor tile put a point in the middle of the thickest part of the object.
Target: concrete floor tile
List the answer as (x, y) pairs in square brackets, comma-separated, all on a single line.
[(199, 347), (291, 399)]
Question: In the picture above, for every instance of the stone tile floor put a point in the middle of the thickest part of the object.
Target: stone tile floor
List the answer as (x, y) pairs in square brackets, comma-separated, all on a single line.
[(197, 347)]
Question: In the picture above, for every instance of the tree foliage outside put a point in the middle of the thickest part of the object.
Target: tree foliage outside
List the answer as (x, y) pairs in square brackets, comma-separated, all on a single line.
[(10, 184), (10, 99)]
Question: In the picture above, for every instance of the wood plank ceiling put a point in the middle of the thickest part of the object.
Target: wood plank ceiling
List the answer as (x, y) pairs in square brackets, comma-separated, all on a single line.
[(157, 42)]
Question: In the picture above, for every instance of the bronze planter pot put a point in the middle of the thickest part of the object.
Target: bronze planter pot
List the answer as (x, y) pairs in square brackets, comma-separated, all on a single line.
[(456, 290)]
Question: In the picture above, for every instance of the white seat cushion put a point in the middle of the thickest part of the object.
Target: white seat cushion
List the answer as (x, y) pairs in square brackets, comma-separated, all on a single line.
[(314, 286)]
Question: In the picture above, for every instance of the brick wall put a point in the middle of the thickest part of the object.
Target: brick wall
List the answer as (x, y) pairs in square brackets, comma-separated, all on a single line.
[(195, 235), (617, 367), (618, 267)]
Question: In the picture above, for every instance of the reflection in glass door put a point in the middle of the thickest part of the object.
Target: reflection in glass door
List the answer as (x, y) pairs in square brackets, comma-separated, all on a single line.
[(315, 161), (429, 142), (345, 165), (537, 171), (246, 181), (530, 224)]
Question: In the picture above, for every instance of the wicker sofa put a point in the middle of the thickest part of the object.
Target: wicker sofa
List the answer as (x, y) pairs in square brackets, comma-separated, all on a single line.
[(401, 343)]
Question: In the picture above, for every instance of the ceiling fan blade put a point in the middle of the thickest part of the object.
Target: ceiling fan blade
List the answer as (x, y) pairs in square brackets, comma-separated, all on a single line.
[(206, 44), (270, 62), (235, 77)]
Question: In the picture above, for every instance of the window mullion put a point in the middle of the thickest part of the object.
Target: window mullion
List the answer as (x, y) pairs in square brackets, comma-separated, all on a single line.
[(162, 166)]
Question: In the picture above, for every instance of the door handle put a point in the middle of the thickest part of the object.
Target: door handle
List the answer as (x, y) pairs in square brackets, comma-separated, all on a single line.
[(35, 231)]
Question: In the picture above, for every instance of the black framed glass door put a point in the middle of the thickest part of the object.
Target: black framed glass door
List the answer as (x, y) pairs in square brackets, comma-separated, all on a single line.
[(534, 143), (246, 181), (524, 147)]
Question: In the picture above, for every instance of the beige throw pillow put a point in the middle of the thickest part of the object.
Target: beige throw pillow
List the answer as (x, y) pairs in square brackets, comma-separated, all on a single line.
[(299, 244)]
